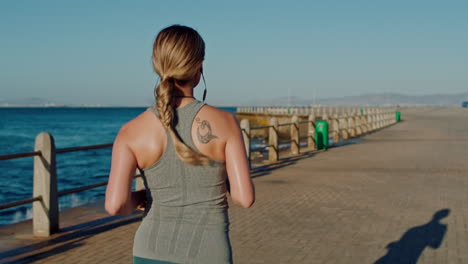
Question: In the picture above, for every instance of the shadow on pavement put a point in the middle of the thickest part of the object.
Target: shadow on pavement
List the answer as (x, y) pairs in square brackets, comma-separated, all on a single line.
[(408, 249), (65, 241), (264, 170)]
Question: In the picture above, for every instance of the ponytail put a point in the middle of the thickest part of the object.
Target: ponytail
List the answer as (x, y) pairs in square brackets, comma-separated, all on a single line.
[(165, 107)]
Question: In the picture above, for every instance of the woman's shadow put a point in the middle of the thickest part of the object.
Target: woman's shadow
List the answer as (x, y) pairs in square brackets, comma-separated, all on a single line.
[(408, 249)]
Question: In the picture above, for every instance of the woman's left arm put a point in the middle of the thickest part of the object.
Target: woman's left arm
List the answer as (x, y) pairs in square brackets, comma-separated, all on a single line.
[(120, 199)]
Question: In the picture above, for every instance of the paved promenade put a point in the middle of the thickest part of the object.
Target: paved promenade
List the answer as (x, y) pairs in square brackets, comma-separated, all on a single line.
[(399, 196)]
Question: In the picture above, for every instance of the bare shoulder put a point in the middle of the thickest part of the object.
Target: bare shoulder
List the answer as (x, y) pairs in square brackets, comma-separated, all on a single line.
[(133, 129), (218, 116)]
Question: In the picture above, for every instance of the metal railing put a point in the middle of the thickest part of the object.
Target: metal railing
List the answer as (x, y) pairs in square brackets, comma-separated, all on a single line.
[(45, 191), (45, 195), (61, 193), (343, 127)]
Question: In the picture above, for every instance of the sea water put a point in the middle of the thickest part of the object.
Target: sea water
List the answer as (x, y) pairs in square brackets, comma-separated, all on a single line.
[(70, 127)]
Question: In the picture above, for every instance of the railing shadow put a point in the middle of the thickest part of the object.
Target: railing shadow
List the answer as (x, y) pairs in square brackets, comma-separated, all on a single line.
[(409, 248), (66, 241), (264, 170)]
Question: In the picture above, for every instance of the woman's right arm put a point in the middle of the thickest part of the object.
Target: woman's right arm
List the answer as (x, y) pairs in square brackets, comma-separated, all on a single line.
[(242, 188)]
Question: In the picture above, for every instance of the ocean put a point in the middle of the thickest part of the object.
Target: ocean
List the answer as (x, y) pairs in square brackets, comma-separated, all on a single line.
[(70, 127)]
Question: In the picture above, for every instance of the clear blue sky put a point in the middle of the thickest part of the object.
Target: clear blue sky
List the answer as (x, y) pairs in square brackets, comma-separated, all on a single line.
[(99, 51)]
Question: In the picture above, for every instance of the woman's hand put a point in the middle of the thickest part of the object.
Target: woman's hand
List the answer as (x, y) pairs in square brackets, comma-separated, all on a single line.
[(140, 199)]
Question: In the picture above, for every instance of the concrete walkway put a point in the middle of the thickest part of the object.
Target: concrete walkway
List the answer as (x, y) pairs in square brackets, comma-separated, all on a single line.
[(371, 202)]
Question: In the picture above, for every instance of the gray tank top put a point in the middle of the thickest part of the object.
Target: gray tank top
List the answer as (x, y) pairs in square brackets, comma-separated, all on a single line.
[(186, 218)]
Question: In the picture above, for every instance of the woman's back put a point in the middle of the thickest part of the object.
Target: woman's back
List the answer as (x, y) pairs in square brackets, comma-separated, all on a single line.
[(184, 149), (209, 133), (186, 214)]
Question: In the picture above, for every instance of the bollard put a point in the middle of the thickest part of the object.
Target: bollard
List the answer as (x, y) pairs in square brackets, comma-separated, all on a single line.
[(139, 181), (321, 134), (311, 132), (335, 127), (397, 116), (358, 125), (351, 126), (45, 211), (294, 131), (344, 129), (245, 126), (273, 150)]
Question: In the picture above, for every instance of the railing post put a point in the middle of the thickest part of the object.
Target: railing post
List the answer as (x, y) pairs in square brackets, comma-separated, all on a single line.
[(139, 181), (336, 129), (351, 125), (363, 122), (311, 133), (245, 126), (344, 128), (45, 211), (273, 150), (370, 120), (295, 147), (358, 124)]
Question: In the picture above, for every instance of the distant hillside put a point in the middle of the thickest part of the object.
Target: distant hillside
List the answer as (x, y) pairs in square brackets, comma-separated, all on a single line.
[(372, 100)]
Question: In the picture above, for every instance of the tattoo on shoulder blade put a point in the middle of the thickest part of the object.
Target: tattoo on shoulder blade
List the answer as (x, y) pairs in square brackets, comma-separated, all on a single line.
[(204, 132)]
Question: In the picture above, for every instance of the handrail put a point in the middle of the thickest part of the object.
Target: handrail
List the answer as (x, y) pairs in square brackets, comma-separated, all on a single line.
[(83, 188), (261, 127), (63, 150), (19, 155), (306, 122), (286, 124), (260, 149), (72, 149), (19, 202), (60, 194)]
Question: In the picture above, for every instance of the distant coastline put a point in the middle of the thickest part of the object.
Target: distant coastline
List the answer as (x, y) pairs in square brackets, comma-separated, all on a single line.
[(376, 99), (68, 106)]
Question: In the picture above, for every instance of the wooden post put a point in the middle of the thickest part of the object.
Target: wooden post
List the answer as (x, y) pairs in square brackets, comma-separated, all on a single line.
[(245, 126), (370, 120), (311, 133), (364, 127), (344, 128), (336, 129), (139, 181), (273, 151), (351, 126), (45, 211), (295, 147), (358, 124)]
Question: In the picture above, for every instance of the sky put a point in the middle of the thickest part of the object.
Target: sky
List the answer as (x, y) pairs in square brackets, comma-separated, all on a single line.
[(99, 52)]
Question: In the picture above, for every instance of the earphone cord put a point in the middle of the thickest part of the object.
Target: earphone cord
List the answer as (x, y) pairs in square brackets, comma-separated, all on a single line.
[(204, 91)]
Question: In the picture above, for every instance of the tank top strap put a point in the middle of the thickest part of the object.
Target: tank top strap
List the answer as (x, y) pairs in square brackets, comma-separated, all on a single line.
[(185, 116), (153, 109)]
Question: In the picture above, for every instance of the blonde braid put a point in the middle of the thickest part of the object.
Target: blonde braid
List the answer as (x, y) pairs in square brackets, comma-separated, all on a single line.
[(164, 101), (165, 109)]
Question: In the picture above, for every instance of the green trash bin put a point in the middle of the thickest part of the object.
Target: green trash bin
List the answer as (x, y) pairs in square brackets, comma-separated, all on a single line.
[(321, 134), (398, 116), (362, 111)]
